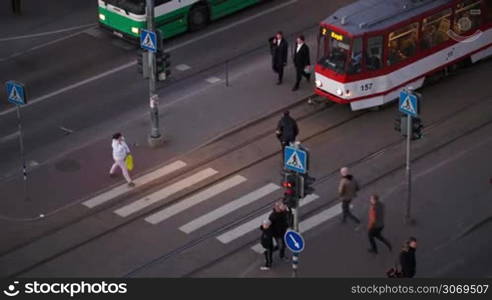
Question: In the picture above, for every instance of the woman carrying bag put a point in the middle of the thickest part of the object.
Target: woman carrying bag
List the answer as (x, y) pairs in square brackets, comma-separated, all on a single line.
[(122, 157)]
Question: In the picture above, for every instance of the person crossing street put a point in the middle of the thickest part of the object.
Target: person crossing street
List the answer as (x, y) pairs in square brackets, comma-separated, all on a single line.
[(120, 152), (287, 130), (279, 218), (347, 190), (376, 224), (266, 241), (301, 61)]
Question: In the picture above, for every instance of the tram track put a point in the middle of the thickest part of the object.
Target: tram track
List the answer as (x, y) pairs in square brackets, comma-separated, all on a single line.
[(178, 250)]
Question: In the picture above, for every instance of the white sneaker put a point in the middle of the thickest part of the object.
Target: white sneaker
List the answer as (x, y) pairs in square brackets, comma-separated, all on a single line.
[(264, 268)]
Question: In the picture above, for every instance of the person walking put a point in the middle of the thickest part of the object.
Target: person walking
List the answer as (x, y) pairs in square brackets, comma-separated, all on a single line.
[(376, 224), (408, 262), (267, 243), (279, 219), (287, 130), (301, 61), (120, 151), (347, 190), (279, 50)]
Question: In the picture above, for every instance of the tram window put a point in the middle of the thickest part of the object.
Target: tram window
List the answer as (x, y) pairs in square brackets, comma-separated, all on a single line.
[(355, 63), (435, 29), (374, 52), (467, 16), (488, 7), (402, 43), (336, 52)]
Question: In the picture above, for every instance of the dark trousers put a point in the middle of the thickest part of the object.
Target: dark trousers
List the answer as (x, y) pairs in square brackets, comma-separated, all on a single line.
[(347, 213), (375, 233), (280, 71), (16, 7), (280, 246), (268, 256), (299, 74)]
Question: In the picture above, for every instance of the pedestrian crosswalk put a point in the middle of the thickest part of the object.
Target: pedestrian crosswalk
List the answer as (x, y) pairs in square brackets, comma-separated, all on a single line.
[(252, 194)]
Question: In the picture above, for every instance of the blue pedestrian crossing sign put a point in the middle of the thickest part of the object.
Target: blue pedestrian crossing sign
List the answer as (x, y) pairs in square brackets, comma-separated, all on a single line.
[(16, 93), (294, 241), (148, 40), (409, 103), (295, 159)]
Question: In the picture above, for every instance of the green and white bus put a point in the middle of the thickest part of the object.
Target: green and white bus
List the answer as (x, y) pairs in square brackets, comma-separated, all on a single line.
[(125, 18)]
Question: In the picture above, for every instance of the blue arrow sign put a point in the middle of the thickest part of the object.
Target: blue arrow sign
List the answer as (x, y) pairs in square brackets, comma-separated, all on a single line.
[(148, 40), (294, 241), (16, 93), (295, 159), (409, 103)]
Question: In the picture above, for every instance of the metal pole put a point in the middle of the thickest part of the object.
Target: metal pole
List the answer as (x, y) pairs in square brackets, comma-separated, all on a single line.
[(23, 160), (295, 213), (408, 170), (155, 136), (227, 72)]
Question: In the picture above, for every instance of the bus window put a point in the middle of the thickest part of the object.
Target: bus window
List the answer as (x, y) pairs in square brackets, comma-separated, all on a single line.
[(402, 43), (435, 29), (335, 54), (356, 57), (467, 16), (374, 52)]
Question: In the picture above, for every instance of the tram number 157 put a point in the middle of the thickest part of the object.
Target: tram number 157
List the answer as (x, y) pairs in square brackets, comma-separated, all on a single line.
[(366, 87)]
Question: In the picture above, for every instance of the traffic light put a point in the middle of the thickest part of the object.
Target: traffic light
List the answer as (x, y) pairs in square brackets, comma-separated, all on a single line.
[(400, 124), (308, 185), (417, 128), (291, 189), (162, 65), (143, 63)]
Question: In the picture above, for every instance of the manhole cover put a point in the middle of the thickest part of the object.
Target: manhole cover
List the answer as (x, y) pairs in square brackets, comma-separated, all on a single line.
[(68, 165)]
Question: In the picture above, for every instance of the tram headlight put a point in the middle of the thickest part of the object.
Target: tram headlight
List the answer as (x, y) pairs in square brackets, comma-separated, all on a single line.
[(339, 92), (102, 17), (318, 83), (135, 30)]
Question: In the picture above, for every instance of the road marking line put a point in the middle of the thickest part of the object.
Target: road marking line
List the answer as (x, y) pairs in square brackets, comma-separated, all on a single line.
[(46, 33), (165, 192), (229, 207), (247, 227), (182, 67), (72, 86), (213, 80), (195, 199), (311, 222), (9, 137), (132, 63), (122, 189)]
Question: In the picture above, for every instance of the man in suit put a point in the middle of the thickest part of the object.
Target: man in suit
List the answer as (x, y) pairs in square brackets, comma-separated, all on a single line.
[(301, 61), (279, 49)]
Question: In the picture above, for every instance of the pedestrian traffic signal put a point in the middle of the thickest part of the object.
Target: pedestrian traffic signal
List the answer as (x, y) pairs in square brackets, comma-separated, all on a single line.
[(308, 185), (291, 189), (163, 65), (143, 63), (417, 128), (400, 124)]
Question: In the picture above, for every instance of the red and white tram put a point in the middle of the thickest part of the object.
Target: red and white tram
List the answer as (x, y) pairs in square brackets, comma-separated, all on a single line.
[(372, 49)]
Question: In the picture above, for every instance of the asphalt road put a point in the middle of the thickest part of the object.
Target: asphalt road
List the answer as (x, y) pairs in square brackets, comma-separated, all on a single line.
[(57, 69)]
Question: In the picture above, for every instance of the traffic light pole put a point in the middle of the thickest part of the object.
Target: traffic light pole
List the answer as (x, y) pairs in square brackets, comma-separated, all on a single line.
[(408, 171), (295, 215), (155, 138)]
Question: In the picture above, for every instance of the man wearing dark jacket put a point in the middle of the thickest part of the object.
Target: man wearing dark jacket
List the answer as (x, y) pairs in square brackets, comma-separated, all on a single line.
[(266, 241), (301, 61), (376, 224), (407, 258), (279, 49), (287, 130), (279, 218)]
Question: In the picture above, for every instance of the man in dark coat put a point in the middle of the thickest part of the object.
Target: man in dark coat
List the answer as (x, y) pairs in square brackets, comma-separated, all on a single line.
[(407, 258), (279, 49), (266, 241), (301, 61), (376, 224), (279, 218), (287, 130)]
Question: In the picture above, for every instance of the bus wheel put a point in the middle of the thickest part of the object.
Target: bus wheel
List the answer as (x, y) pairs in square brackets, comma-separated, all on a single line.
[(198, 17)]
